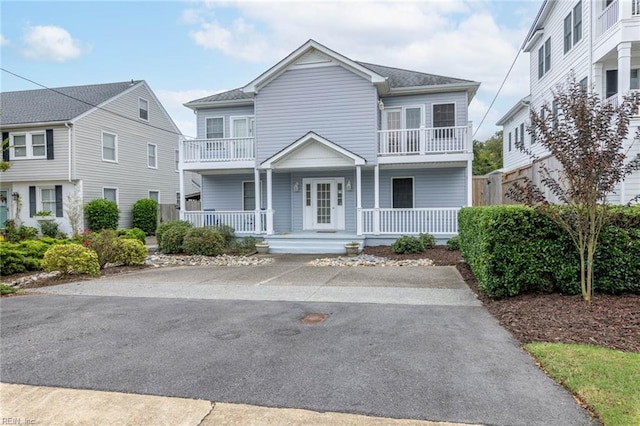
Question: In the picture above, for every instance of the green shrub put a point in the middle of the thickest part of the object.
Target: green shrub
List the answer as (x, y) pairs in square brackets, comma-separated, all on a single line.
[(428, 240), (133, 234), (130, 252), (172, 237), (203, 241), (71, 259), (21, 233), (7, 289), (105, 244), (453, 243), (245, 246), (516, 249), (102, 214), (49, 228), (25, 255), (407, 244), (145, 215), (228, 233), (168, 225)]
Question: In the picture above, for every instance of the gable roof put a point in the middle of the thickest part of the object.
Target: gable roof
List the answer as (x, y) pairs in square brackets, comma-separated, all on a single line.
[(537, 27), (522, 103), (57, 104), (389, 80)]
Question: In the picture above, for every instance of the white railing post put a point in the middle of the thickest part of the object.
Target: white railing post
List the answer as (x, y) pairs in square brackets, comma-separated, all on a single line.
[(269, 202), (359, 200), (257, 226), (376, 199)]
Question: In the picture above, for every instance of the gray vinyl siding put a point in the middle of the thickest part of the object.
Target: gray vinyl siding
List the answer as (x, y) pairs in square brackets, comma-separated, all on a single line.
[(130, 174), (427, 101), (224, 192), (226, 112), (282, 199), (330, 101), (42, 169), (433, 188)]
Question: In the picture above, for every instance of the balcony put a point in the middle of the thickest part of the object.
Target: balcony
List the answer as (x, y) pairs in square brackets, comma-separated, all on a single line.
[(218, 153), (615, 12), (424, 142)]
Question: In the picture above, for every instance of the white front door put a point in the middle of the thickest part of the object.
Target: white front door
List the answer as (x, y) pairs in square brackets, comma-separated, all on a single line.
[(323, 204)]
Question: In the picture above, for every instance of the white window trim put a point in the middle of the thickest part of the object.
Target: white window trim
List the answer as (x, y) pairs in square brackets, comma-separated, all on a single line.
[(28, 137), (232, 118), (102, 147), (404, 115), (455, 113), (224, 126), (413, 189), (117, 193), (156, 156), (154, 190), (253, 182), (386, 113), (147, 101), (40, 200)]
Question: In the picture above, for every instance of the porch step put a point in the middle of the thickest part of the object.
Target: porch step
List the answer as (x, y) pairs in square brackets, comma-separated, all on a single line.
[(311, 243)]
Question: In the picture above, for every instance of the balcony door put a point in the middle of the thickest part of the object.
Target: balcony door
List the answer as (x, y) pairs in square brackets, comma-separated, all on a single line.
[(402, 126), (323, 204)]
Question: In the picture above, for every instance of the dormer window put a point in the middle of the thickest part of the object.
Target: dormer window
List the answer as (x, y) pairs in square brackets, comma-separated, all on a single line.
[(143, 109)]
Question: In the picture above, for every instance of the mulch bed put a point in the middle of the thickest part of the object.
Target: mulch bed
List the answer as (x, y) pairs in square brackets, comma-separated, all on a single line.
[(609, 321)]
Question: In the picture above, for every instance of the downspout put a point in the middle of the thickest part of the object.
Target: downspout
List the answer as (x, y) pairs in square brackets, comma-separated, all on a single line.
[(68, 126)]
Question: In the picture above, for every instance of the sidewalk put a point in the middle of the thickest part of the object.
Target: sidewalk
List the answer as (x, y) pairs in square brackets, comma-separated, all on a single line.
[(40, 405)]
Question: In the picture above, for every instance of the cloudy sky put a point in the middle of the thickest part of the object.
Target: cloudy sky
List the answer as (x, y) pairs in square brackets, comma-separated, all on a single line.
[(189, 49)]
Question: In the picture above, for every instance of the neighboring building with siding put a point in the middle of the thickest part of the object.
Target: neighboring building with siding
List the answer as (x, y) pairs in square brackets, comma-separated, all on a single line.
[(112, 141), (597, 42), (321, 149)]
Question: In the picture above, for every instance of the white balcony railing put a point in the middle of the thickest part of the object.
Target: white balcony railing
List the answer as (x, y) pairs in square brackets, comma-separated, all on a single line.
[(242, 221), (612, 100), (607, 18), (423, 141), (212, 150), (410, 221)]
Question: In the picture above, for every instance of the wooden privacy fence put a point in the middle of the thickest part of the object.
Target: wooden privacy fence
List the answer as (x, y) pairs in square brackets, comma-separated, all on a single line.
[(167, 212), (487, 190)]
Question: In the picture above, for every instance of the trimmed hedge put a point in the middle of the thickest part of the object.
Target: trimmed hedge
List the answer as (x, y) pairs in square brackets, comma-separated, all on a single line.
[(25, 255), (515, 249), (102, 214), (145, 215)]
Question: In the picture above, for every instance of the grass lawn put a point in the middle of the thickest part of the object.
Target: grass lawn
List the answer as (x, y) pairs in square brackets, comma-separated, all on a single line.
[(606, 380)]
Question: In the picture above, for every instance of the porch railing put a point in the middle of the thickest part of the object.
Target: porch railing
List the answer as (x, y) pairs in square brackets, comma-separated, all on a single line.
[(410, 221), (423, 141), (211, 150), (607, 18), (243, 222)]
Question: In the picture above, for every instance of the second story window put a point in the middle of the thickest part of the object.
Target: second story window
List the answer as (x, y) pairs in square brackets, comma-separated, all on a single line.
[(28, 145), (522, 133), (215, 128), (573, 27), (510, 142), (152, 156), (544, 58), (109, 147), (143, 109), (444, 115)]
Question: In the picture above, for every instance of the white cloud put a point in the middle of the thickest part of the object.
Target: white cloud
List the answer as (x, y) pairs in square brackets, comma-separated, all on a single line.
[(3, 40), (174, 100), (51, 43)]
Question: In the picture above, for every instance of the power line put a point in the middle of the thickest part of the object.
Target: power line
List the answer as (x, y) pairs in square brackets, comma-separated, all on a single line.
[(90, 104)]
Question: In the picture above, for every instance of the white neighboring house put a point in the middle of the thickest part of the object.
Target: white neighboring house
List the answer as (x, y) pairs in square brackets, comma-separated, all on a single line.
[(112, 141), (599, 42)]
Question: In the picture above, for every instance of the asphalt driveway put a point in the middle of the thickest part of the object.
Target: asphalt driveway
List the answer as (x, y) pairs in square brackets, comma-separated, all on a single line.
[(433, 361)]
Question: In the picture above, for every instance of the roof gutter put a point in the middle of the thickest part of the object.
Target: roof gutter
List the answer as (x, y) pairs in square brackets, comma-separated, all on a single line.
[(235, 102), (39, 124)]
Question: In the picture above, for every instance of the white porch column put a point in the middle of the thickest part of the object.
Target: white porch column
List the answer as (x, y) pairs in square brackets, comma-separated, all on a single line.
[(359, 200), (376, 199), (269, 202), (469, 183), (598, 81), (182, 203), (257, 221), (624, 69)]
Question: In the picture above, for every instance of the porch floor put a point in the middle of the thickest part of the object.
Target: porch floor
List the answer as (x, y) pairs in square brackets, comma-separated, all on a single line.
[(312, 242)]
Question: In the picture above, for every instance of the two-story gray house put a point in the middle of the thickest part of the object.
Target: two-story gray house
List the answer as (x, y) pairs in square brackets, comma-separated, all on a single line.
[(320, 150), (112, 141)]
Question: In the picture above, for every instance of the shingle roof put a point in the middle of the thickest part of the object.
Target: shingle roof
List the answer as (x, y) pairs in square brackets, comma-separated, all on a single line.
[(406, 78), (47, 105), (230, 95)]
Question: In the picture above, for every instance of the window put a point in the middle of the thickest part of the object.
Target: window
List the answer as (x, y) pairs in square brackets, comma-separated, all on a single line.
[(634, 80), (110, 194), (248, 195), (584, 83), (176, 157), (544, 58), (402, 193), (152, 159), (109, 147), (516, 135), (242, 127), (48, 200), (568, 36), (611, 83), (28, 146), (143, 109), (509, 141), (577, 23), (215, 128), (522, 132), (540, 62), (155, 196), (444, 115)]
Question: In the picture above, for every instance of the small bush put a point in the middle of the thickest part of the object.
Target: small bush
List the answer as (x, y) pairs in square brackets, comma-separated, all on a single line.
[(407, 244), (428, 240), (49, 228), (71, 259), (173, 237), (25, 255), (130, 252), (203, 241), (105, 244), (453, 243), (145, 215), (133, 234), (228, 233), (21, 233), (168, 225), (245, 246), (102, 214), (7, 289)]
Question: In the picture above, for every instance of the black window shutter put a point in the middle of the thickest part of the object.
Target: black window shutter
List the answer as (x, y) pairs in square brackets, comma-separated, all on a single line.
[(32, 201), (58, 200), (49, 133), (5, 149)]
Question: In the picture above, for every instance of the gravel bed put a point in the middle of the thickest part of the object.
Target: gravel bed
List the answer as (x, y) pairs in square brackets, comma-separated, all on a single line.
[(26, 279), (195, 260), (369, 260)]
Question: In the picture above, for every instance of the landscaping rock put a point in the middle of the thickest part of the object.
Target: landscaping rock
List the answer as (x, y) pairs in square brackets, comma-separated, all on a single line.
[(369, 260)]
